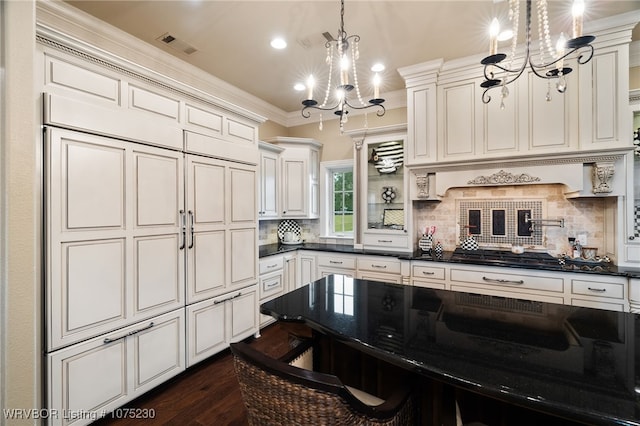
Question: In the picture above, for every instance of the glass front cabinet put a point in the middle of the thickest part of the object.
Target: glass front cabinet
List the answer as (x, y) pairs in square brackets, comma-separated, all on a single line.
[(384, 218)]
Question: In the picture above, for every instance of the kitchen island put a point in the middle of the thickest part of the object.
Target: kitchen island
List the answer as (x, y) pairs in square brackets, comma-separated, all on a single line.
[(568, 362)]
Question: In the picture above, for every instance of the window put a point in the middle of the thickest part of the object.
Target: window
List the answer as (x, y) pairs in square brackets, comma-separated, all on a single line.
[(338, 199)]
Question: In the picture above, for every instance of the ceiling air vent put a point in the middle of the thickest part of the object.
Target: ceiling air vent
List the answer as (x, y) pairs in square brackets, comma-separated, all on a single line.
[(176, 43)]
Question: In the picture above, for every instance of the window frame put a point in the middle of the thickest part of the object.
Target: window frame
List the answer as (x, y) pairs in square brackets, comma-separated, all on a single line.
[(327, 168)]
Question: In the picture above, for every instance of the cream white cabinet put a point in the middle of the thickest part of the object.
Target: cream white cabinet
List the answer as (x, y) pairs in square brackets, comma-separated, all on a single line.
[(215, 323), (113, 234), (272, 282), (221, 235), (634, 294), (90, 379), (270, 181), (385, 209), (542, 286), (299, 173), (336, 263), (600, 292), (429, 275), (291, 272), (528, 124), (379, 268), (307, 265), (420, 81)]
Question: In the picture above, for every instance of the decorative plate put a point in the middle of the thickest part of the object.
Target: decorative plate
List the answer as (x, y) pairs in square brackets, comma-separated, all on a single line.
[(289, 225)]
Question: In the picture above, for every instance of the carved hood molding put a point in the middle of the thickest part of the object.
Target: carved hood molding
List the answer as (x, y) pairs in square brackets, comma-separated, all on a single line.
[(583, 175)]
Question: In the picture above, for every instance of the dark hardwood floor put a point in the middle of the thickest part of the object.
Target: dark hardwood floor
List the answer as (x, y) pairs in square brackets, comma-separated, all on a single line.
[(208, 393)]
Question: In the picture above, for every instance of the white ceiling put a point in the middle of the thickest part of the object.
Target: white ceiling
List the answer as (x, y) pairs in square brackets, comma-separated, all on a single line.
[(232, 37)]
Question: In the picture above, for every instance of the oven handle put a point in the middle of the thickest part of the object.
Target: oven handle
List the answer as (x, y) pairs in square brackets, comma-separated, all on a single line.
[(501, 281)]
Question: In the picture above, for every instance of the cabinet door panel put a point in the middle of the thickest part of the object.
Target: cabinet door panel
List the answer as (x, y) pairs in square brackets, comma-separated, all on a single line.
[(244, 315), (243, 256), (158, 189), (90, 271), (294, 191), (548, 120), (209, 267), (158, 351), (207, 120), (74, 373), (93, 179), (155, 103), (207, 191), (86, 82), (206, 330), (269, 185), (158, 274), (242, 194), (459, 120)]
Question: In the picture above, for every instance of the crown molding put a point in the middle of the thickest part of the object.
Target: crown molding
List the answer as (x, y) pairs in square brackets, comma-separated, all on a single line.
[(86, 32)]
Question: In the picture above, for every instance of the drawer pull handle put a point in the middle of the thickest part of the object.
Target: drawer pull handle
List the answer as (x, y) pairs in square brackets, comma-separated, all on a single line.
[(501, 281), (335, 262), (131, 333), (272, 266), (379, 266), (183, 230), (217, 302), (428, 273), (597, 290), (273, 284), (385, 241)]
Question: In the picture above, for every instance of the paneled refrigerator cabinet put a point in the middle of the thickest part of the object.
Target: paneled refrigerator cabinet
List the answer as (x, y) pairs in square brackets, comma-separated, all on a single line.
[(135, 234)]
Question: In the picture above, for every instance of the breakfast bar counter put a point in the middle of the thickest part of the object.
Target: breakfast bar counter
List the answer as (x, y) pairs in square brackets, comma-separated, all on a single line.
[(569, 362)]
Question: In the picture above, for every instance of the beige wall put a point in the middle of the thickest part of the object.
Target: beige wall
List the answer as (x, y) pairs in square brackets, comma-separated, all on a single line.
[(20, 214), (340, 147), (634, 78), (270, 129)]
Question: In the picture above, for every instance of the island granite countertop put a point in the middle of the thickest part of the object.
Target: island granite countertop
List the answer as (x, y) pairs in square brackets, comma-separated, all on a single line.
[(572, 362)]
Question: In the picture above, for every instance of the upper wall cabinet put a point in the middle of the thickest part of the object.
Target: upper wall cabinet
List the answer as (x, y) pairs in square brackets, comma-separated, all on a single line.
[(84, 93), (448, 123), (269, 186), (299, 177)]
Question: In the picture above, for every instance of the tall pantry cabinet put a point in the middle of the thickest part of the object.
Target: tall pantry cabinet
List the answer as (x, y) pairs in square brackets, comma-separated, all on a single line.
[(150, 229)]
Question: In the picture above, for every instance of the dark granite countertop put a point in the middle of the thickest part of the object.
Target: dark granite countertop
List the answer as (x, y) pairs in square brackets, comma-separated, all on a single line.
[(568, 361), (273, 249)]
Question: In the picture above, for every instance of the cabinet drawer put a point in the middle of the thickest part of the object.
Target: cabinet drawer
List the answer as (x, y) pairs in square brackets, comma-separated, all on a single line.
[(393, 241), (385, 278), (428, 272), (379, 264), (270, 264), (614, 290), (345, 262), (507, 280), (271, 285)]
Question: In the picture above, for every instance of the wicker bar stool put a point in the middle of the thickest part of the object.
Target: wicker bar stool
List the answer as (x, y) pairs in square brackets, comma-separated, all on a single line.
[(278, 393)]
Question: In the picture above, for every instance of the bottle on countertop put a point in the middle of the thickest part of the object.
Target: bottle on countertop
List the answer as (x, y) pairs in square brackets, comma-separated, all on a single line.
[(576, 249)]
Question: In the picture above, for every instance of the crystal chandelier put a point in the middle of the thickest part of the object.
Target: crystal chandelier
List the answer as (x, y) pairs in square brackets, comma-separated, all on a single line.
[(342, 56), (551, 60)]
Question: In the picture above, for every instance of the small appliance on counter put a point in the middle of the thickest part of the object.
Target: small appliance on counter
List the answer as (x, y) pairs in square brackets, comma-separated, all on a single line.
[(289, 232)]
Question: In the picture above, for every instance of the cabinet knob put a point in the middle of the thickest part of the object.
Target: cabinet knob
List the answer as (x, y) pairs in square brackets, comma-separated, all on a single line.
[(632, 238)]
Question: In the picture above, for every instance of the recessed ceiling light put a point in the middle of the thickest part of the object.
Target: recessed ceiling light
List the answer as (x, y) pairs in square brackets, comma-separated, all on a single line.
[(299, 87), (278, 43), (377, 67)]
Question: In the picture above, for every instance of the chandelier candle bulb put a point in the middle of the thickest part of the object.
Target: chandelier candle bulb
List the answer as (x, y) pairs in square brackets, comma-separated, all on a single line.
[(344, 73), (494, 30), (560, 46), (310, 83), (376, 86), (577, 11)]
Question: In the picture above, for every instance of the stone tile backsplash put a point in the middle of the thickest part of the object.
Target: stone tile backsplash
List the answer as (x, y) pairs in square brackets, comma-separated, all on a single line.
[(581, 216)]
